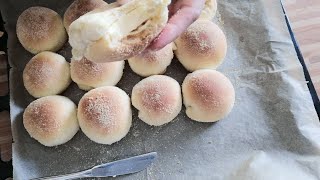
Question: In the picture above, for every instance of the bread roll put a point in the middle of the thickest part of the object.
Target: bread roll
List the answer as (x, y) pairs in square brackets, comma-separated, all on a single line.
[(209, 10), (158, 99), (40, 29), (152, 62), (208, 95), (79, 8), (51, 120), (119, 33), (202, 46), (105, 114), (122, 2), (89, 75), (47, 73)]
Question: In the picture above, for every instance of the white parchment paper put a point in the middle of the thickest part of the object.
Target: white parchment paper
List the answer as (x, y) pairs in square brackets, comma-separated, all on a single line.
[(273, 131)]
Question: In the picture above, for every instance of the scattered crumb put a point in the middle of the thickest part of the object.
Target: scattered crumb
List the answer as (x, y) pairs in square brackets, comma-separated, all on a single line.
[(77, 149), (136, 133)]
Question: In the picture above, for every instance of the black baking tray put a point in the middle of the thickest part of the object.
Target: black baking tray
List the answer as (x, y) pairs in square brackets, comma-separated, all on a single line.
[(6, 167)]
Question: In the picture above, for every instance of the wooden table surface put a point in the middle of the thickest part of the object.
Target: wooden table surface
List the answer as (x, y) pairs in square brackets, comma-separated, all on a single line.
[(304, 16)]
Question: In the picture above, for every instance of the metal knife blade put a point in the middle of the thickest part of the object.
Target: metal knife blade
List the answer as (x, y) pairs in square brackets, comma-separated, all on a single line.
[(115, 168), (124, 166)]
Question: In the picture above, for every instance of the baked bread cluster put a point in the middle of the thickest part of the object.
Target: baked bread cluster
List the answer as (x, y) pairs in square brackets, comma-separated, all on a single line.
[(103, 36), (118, 33)]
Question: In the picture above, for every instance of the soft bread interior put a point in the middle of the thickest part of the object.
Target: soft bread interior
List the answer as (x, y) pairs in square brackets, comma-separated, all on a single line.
[(209, 10), (113, 25)]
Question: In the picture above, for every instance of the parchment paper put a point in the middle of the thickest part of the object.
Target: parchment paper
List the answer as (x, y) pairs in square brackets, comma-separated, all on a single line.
[(273, 131)]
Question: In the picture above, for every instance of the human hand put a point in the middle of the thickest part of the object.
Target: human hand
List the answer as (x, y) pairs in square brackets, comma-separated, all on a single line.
[(182, 13)]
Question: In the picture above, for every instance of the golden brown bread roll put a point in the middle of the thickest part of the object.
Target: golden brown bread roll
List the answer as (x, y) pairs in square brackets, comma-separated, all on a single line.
[(158, 99), (150, 63), (79, 8), (208, 95), (47, 73), (40, 29), (89, 75), (118, 33), (202, 46), (105, 114), (51, 120)]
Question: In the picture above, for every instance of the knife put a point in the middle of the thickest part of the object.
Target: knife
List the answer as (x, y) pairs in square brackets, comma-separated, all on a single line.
[(112, 169)]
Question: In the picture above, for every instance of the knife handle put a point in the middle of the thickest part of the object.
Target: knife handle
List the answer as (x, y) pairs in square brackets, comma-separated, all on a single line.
[(76, 175)]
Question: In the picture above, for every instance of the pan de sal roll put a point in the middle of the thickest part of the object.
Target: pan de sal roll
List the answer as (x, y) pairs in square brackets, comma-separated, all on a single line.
[(152, 62), (202, 46), (51, 120), (209, 10), (40, 29), (105, 114), (118, 33), (47, 73), (208, 95), (79, 8), (122, 2), (158, 99), (89, 75)]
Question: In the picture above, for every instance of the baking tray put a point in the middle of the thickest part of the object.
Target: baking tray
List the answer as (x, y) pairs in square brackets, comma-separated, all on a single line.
[(5, 167)]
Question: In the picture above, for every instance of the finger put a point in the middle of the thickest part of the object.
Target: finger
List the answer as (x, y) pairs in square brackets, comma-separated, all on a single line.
[(176, 25), (171, 8), (179, 4)]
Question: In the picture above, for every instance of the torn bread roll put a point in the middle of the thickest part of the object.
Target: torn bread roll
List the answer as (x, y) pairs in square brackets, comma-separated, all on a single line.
[(158, 99), (118, 33), (47, 73), (105, 114), (40, 29), (208, 95), (202, 46), (150, 62), (79, 8), (89, 75), (209, 10), (51, 120), (122, 2)]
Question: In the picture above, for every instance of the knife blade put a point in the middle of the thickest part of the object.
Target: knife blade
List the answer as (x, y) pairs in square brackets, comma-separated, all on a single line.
[(125, 166), (112, 169)]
